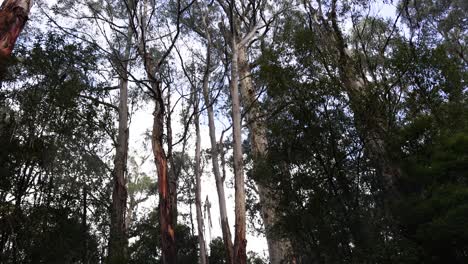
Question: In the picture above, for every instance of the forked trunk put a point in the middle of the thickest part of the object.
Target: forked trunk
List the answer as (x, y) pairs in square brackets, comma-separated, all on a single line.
[(166, 219)]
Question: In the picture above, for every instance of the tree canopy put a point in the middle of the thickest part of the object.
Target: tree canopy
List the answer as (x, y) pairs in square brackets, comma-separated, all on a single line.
[(182, 131)]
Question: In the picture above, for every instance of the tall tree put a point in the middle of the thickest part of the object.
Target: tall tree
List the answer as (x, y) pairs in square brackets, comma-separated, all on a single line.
[(278, 247), (247, 21), (198, 172), (324, 18), (240, 241), (204, 13), (237, 39), (141, 12), (118, 240)]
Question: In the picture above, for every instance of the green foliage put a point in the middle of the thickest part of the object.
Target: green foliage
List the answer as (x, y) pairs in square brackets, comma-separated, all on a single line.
[(434, 212), (147, 247), (334, 209), (50, 235), (50, 164), (56, 134), (217, 251)]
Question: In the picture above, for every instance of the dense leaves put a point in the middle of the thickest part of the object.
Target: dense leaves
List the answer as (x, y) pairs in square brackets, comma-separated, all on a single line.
[(334, 207), (52, 139)]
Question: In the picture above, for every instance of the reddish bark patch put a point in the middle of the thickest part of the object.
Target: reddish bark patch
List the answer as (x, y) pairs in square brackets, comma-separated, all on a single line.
[(12, 20)]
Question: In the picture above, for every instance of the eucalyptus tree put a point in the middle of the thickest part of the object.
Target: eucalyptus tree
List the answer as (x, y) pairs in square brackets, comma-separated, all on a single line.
[(355, 63), (254, 19), (198, 172), (244, 20), (116, 44), (233, 40), (118, 240), (361, 78), (249, 22), (146, 21), (321, 136), (207, 14), (154, 51)]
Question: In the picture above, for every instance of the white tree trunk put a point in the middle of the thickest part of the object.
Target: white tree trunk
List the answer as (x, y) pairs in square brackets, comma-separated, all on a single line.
[(227, 238), (201, 239), (240, 242)]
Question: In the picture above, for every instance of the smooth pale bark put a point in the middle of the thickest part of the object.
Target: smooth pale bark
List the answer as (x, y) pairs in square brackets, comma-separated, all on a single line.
[(118, 232), (227, 238), (13, 17), (201, 239), (132, 204), (118, 240), (132, 207), (240, 241), (278, 249)]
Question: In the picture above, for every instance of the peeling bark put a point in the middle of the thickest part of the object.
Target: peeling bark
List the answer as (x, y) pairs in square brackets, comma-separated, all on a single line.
[(152, 68), (13, 17), (165, 210)]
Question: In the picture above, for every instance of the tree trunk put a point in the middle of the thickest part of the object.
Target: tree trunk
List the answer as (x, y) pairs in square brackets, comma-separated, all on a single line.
[(118, 242), (118, 239), (371, 125), (201, 239), (172, 174), (215, 159), (130, 210), (169, 254), (166, 219), (240, 242), (13, 17), (277, 248)]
